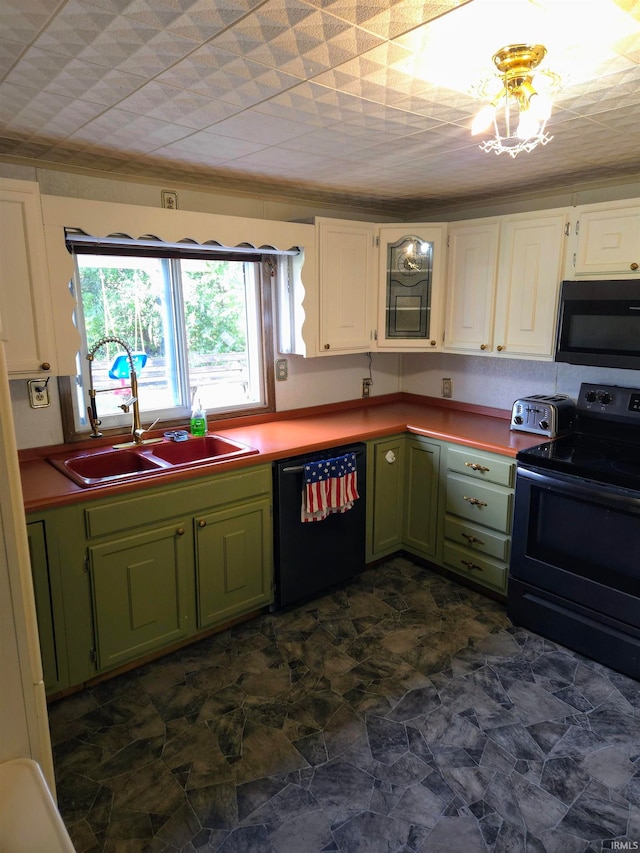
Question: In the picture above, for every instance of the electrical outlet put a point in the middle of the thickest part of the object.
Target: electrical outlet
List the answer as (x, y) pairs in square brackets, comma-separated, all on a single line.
[(366, 387), (447, 388), (282, 369), (38, 393)]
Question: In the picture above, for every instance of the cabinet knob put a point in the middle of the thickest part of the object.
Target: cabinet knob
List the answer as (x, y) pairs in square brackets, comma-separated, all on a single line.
[(500, 348), (483, 346), (634, 266), (327, 346), (202, 523), (390, 457), (45, 366), (433, 343), (180, 531)]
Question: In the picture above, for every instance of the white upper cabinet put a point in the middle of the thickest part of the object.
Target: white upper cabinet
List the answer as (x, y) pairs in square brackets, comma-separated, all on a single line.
[(25, 300), (347, 285), (411, 281), (471, 282), (503, 281), (529, 273), (606, 241)]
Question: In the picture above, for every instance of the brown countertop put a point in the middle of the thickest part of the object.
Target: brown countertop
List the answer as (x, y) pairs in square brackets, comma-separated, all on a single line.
[(291, 434)]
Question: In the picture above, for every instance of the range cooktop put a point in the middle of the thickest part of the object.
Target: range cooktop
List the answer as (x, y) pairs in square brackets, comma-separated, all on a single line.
[(605, 445)]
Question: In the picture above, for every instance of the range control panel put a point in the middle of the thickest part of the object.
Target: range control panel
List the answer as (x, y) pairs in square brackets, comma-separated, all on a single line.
[(610, 401)]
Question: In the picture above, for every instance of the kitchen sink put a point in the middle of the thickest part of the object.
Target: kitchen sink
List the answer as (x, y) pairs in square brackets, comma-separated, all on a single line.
[(95, 468), (91, 469), (206, 448)]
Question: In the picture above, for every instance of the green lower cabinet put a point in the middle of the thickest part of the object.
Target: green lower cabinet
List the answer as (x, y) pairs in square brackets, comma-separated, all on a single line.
[(478, 510), (385, 499), (476, 567), (421, 497), (233, 562), (48, 609), (142, 589)]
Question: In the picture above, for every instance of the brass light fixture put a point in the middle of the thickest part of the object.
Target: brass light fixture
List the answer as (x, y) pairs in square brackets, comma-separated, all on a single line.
[(521, 108)]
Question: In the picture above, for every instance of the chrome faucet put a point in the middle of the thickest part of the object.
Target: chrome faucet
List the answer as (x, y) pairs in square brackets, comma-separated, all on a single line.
[(136, 428)]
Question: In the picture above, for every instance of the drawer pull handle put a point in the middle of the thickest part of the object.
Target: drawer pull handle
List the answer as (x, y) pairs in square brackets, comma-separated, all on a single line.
[(471, 566), (474, 501), (475, 466), (202, 523), (473, 540), (180, 531)]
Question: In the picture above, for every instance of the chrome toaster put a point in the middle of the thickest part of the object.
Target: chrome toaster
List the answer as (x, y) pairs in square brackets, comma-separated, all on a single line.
[(545, 414)]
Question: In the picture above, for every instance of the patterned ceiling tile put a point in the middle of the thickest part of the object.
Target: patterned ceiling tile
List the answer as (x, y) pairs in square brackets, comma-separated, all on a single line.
[(294, 97), (125, 131), (207, 149), (135, 47), (73, 78), (387, 18), (45, 113), (76, 26), (259, 127), (22, 21), (217, 73), (292, 36), (10, 52), (184, 107)]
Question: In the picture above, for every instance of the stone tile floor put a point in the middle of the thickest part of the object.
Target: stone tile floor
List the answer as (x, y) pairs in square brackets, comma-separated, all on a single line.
[(402, 713)]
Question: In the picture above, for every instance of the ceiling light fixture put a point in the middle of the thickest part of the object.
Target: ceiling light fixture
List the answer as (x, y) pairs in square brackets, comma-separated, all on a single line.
[(519, 111)]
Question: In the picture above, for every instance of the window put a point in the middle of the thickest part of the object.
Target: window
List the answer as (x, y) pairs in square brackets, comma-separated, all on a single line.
[(196, 322)]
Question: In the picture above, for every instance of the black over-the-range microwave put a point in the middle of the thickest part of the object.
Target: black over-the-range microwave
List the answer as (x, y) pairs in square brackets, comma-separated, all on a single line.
[(599, 323)]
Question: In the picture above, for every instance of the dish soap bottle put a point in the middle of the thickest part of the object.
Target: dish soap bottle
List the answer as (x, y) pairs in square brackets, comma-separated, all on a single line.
[(198, 421)]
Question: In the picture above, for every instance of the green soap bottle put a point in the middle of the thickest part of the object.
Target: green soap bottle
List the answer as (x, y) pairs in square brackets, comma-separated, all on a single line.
[(198, 422)]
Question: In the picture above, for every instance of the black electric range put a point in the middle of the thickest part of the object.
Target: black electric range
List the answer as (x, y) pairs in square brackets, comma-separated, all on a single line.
[(574, 574)]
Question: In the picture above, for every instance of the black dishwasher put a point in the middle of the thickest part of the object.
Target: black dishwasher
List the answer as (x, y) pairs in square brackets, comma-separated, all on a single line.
[(311, 557)]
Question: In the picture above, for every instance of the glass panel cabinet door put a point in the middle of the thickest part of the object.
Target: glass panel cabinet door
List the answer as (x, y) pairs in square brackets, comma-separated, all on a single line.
[(409, 269), (411, 286)]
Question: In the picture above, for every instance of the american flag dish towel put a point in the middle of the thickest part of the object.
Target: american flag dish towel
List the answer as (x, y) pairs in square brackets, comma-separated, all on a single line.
[(330, 486)]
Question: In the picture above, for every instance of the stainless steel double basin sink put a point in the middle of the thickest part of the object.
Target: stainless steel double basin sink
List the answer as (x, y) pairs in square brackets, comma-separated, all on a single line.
[(113, 465)]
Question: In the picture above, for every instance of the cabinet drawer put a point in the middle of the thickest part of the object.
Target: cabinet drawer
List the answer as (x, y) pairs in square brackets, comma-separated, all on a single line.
[(480, 569), (150, 507), (480, 540), (479, 502), (481, 466)]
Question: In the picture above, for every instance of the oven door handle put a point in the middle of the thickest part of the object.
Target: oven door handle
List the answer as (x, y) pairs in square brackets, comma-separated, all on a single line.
[(598, 492)]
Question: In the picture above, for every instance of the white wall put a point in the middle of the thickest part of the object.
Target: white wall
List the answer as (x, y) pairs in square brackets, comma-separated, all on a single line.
[(497, 382), (317, 381)]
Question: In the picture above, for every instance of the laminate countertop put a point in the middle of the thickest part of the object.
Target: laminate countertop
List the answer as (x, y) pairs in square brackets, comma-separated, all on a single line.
[(288, 434)]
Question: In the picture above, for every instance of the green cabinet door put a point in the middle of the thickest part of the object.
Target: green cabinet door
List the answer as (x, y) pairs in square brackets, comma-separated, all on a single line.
[(421, 497), (234, 563), (142, 589), (385, 504), (43, 588)]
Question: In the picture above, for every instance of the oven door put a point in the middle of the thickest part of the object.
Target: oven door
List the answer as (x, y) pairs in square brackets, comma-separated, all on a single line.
[(575, 574)]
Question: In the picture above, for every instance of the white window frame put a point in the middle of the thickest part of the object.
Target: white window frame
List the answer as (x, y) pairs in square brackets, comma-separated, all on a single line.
[(259, 342)]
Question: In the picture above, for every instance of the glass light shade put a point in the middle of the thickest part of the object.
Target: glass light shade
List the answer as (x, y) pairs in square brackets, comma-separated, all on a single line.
[(483, 119), (528, 125)]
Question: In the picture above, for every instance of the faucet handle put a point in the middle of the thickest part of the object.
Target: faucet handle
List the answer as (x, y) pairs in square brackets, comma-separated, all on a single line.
[(138, 433)]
